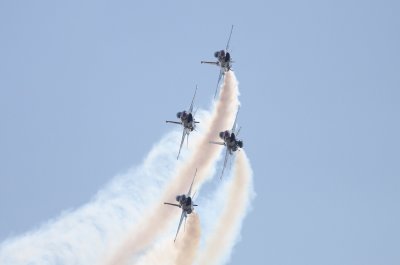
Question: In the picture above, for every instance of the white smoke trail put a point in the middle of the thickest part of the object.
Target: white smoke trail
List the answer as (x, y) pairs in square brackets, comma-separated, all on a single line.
[(81, 236), (85, 236), (182, 252), (234, 196), (189, 245), (219, 244), (203, 157)]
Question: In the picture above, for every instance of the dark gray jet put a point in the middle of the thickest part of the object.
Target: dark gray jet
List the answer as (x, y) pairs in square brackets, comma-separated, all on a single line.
[(230, 141), (187, 121), (185, 202), (224, 61)]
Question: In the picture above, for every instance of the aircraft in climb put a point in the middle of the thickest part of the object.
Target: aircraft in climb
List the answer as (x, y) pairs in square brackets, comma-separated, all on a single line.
[(185, 203), (224, 61), (187, 121), (230, 141)]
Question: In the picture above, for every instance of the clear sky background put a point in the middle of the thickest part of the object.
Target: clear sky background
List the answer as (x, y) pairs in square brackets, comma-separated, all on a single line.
[(85, 88)]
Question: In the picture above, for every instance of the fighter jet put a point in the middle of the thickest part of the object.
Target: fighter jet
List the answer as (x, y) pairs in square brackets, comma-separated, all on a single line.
[(230, 141), (185, 203), (224, 61), (187, 121)]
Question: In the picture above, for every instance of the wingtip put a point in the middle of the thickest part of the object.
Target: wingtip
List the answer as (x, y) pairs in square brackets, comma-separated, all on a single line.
[(222, 174), (216, 92)]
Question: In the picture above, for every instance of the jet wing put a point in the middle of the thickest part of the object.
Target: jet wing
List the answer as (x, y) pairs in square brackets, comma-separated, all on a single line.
[(191, 105), (183, 139), (234, 123), (173, 204), (238, 131), (191, 185), (176, 122), (220, 143), (229, 39), (221, 73), (216, 63), (183, 215), (225, 161)]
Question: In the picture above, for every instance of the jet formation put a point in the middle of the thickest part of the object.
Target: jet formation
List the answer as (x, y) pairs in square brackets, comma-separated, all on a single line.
[(188, 122)]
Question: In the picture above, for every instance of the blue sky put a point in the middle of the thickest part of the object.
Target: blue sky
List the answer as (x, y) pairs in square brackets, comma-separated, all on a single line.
[(85, 88)]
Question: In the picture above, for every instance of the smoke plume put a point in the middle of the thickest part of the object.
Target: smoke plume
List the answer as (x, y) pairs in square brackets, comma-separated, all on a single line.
[(182, 252), (80, 236), (204, 158), (219, 245), (127, 223)]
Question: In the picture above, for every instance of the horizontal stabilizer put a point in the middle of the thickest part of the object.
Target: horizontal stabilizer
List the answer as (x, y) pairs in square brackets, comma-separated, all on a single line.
[(220, 143), (176, 122), (216, 63), (173, 204)]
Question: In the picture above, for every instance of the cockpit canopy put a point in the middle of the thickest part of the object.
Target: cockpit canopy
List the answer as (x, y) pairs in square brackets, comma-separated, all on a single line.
[(227, 57), (188, 201)]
